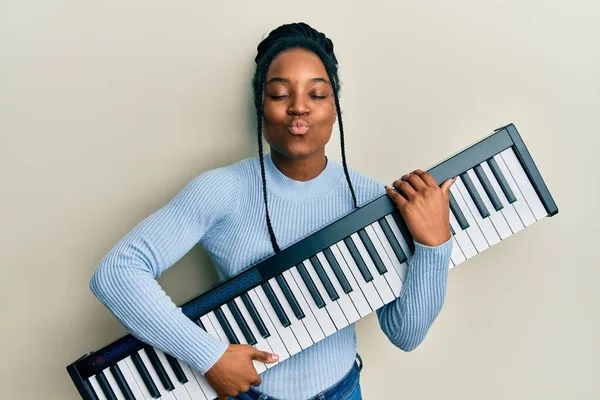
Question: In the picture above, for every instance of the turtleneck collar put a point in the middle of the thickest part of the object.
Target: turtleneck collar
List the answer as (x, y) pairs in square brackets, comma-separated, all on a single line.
[(290, 189)]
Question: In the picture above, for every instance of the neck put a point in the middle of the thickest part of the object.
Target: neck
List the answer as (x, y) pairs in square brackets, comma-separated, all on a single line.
[(302, 170)]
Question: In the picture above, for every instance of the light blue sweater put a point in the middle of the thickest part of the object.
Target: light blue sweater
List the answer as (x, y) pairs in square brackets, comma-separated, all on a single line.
[(223, 211)]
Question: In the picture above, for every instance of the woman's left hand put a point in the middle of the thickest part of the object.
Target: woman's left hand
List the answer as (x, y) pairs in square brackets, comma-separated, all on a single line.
[(424, 206)]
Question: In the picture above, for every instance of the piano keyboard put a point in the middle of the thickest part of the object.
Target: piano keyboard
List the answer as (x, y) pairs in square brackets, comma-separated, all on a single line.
[(331, 278)]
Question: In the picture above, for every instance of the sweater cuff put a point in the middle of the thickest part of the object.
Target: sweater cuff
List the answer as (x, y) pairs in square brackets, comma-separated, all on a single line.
[(434, 256), (208, 351)]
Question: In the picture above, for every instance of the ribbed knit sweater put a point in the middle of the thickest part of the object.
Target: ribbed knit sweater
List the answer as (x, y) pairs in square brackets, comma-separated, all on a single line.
[(222, 210)]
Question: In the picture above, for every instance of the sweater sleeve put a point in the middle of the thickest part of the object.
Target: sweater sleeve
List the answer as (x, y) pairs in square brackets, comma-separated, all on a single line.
[(125, 280), (406, 320)]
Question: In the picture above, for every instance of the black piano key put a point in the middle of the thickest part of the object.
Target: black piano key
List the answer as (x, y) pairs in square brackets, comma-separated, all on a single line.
[(105, 386), (452, 230), (487, 187), (404, 230), (239, 319), (337, 270), (179, 374), (148, 381), (260, 325), (283, 318), (483, 211), (200, 324), (372, 252), (360, 263), (226, 327), (331, 292), (159, 369), (460, 217), (90, 390), (125, 389), (389, 234), (291, 299), (311, 286), (510, 196)]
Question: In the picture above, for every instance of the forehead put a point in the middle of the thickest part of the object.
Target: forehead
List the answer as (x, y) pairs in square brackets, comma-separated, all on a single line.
[(297, 63)]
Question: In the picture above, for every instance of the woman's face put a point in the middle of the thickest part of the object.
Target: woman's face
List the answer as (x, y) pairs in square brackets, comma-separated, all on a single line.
[(299, 108)]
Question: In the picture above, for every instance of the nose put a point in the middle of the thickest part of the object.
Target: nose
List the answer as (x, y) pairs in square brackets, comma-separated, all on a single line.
[(298, 106)]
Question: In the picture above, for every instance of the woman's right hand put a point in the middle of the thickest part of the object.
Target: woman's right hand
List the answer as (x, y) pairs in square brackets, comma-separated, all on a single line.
[(234, 372)]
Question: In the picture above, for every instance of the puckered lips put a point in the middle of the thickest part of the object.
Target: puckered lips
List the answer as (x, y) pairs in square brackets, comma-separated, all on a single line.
[(298, 127)]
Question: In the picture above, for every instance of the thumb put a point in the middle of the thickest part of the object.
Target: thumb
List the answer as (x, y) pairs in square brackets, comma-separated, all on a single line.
[(265, 356), (447, 184)]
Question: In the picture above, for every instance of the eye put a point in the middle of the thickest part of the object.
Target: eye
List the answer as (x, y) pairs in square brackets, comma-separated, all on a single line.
[(280, 97), (314, 96)]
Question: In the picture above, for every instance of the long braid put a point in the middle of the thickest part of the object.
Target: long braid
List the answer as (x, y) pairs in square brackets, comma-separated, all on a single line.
[(343, 145), (297, 35), (259, 116)]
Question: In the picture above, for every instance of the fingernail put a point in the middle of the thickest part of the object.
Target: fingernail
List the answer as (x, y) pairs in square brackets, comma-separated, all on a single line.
[(275, 356)]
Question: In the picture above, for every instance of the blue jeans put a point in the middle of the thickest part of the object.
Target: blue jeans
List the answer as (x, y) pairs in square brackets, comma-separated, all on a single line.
[(348, 388)]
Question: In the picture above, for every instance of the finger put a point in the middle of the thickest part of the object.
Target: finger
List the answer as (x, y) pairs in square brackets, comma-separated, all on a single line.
[(447, 184), (257, 381), (405, 189), (265, 356), (395, 196), (427, 178), (415, 181), (223, 397)]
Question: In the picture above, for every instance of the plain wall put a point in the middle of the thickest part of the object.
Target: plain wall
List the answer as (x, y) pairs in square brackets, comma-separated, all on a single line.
[(107, 109)]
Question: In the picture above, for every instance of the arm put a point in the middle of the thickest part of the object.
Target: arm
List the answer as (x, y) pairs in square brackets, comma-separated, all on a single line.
[(125, 279), (425, 209), (407, 320)]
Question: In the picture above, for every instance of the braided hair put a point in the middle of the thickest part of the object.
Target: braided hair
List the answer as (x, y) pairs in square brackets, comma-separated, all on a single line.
[(285, 37)]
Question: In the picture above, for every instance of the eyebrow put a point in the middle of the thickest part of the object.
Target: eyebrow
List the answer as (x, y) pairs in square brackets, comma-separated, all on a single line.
[(284, 80)]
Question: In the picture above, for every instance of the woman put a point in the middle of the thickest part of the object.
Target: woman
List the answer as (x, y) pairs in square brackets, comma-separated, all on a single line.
[(296, 190)]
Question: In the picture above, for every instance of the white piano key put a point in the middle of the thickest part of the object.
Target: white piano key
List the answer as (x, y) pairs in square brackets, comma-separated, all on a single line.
[(473, 230), (193, 386), (262, 343), (522, 180), (131, 382), (179, 392), (321, 315), (258, 365), (112, 382), (508, 211), (462, 238), (456, 256), (357, 295), (275, 341), (286, 334), (333, 308), (497, 218), (217, 327), (309, 320), (344, 301), (368, 289), (485, 224), (152, 372), (379, 281), (392, 273), (138, 379), (96, 386), (401, 268), (520, 205), (297, 326)]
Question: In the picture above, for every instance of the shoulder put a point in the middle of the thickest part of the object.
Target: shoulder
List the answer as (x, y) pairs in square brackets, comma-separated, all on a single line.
[(223, 179)]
